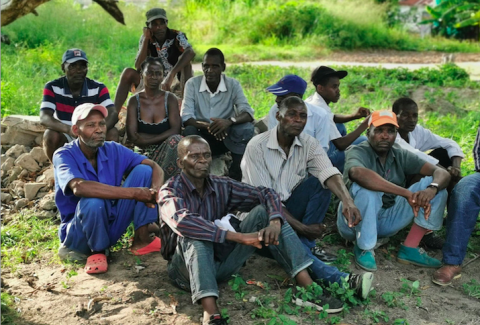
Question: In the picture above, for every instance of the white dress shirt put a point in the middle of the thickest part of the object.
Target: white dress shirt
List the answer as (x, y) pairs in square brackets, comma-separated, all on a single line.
[(266, 164), (318, 124), (318, 101), (421, 139)]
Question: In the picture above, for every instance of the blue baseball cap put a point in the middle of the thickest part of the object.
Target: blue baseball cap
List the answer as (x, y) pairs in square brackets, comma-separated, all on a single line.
[(289, 84), (73, 55)]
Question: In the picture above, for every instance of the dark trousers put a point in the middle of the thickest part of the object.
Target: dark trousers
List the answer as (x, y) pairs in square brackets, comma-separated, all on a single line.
[(218, 148)]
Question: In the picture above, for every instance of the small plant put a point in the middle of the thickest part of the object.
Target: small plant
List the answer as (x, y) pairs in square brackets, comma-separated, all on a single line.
[(343, 292), (343, 260), (238, 285), (224, 313), (400, 321), (410, 288), (472, 288), (376, 316), (71, 273), (392, 299)]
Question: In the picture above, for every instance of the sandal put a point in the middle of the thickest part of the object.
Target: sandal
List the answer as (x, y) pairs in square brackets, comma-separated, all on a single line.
[(154, 246), (96, 264)]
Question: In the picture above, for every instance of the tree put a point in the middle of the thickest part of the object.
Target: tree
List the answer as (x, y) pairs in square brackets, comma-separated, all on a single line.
[(14, 9)]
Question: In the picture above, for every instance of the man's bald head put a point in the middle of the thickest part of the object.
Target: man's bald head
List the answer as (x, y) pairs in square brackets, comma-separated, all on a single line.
[(183, 145)]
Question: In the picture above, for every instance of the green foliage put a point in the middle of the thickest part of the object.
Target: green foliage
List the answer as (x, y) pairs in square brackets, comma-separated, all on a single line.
[(27, 238), (237, 285), (376, 316), (8, 314), (344, 293), (343, 260), (472, 288), (410, 288)]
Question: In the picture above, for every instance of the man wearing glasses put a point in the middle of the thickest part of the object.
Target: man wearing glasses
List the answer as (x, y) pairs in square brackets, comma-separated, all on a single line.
[(61, 96)]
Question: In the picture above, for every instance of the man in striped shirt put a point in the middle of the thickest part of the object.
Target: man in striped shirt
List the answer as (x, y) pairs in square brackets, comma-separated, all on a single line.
[(463, 211), (192, 203), (61, 96), (295, 165)]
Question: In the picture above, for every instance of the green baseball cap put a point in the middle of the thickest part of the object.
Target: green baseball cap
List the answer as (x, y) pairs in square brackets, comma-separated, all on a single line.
[(156, 13)]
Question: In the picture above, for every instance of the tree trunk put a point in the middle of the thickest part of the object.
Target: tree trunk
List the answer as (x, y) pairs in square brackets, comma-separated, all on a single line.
[(14, 9)]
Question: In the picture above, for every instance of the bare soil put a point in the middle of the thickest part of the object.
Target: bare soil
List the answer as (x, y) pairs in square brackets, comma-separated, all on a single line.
[(129, 294)]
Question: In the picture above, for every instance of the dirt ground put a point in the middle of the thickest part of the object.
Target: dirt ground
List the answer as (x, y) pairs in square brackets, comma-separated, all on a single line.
[(138, 291)]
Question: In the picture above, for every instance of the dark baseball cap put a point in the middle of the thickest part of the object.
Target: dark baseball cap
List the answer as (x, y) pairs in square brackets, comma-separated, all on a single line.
[(289, 84), (74, 55), (322, 71), (156, 13)]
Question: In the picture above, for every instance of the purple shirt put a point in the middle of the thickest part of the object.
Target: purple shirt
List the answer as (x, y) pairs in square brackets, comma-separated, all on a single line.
[(192, 216), (113, 161)]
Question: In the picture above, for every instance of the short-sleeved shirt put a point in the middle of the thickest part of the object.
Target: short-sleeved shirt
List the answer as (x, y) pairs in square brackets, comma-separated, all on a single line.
[(57, 97), (113, 162), (398, 165), (175, 44), (200, 104)]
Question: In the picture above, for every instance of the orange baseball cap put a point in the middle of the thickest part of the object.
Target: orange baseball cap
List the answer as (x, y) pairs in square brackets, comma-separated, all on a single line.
[(383, 117)]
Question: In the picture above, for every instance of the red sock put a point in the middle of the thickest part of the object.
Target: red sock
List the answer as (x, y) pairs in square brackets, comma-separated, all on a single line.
[(415, 236)]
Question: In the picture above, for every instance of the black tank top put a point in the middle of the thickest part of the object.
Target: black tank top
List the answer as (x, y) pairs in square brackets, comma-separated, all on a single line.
[(153, 128)]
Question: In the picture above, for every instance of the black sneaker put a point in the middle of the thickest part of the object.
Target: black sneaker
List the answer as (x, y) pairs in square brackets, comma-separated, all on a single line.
[(334, 305), (323, 256), (217, 319), (432, 241), (361, 283)]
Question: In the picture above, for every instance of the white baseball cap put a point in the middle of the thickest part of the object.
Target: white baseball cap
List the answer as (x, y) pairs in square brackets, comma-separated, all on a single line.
[(81, 112)]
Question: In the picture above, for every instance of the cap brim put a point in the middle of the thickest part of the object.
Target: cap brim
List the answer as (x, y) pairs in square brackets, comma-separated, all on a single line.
[(383, 121), (75, 60), (99, 108), (156, 17), (340, 74), (277, 90)]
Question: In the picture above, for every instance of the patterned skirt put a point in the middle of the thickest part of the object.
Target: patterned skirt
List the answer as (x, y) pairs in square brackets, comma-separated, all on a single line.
[(165, 155)]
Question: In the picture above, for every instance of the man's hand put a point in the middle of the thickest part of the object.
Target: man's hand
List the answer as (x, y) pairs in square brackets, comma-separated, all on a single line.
[(250, 239), (313, 231), (362, 112), (422, 200), (147, 34), (455, 172), (269, 235), (351, 212), (219, 127), (167, 82), (146, 195)]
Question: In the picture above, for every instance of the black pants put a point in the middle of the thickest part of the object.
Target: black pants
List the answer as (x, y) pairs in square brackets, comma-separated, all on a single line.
[(218, 148)]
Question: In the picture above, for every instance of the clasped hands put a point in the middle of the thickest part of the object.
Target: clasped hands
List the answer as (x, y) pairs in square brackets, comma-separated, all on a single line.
[(421, 199)]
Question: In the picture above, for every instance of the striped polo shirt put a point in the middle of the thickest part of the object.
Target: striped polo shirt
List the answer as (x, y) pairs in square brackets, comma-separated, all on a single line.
[(58, 97)]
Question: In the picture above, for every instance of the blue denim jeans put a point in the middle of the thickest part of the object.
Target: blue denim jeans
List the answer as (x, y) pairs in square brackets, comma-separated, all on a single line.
[(336, 156), (463, 212), (194, 268), (309, 204), (378, 222), (99, 224)]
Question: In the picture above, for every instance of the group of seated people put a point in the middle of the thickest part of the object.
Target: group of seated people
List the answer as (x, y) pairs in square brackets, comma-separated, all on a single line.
[(281, 181)]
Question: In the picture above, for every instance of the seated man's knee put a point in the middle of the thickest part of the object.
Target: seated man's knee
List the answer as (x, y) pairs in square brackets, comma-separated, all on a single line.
[(90, 206), (142, 171), (53, 138), (190, 130), (357, 190), (113, 135), (260, 213)]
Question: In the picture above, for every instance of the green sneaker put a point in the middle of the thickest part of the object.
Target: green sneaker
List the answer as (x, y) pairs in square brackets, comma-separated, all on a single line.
[(416, 256), (365, 259)]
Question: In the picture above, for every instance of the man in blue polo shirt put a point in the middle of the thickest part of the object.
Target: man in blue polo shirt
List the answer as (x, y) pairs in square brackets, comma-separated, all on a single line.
[(95, 207), (62, 95)]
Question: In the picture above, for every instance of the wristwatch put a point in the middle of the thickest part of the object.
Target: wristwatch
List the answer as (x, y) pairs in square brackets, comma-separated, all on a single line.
[(233, 119), (433, 185)]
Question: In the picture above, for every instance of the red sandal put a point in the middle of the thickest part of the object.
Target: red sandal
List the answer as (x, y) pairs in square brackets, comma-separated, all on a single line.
[(96, 264), (154, 246)]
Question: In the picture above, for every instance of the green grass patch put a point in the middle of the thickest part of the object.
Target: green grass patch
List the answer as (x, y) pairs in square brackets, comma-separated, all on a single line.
[(8, 312), (27, 239)]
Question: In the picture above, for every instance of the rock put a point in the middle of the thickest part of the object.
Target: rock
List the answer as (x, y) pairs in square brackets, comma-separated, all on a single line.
[(8, 164), (27, 162), (14, 173), (47, 177), (18, 188), (31, 190), (39, 140), (16, 151), (24, 122), (6, 198), (41, 194), (46, 215), (21, 203), (39, 155), (48, 202)]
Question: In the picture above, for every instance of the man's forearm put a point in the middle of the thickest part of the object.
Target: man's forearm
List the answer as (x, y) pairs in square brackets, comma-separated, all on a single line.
[(336, 185), (344, 142), (112, 117), (456, 161), (83, 188), (184, 59), (294, 223), (52, 123), (243, 118), (441, 177), (372, 181), (340, 118), (142, 55), (198, 124)]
